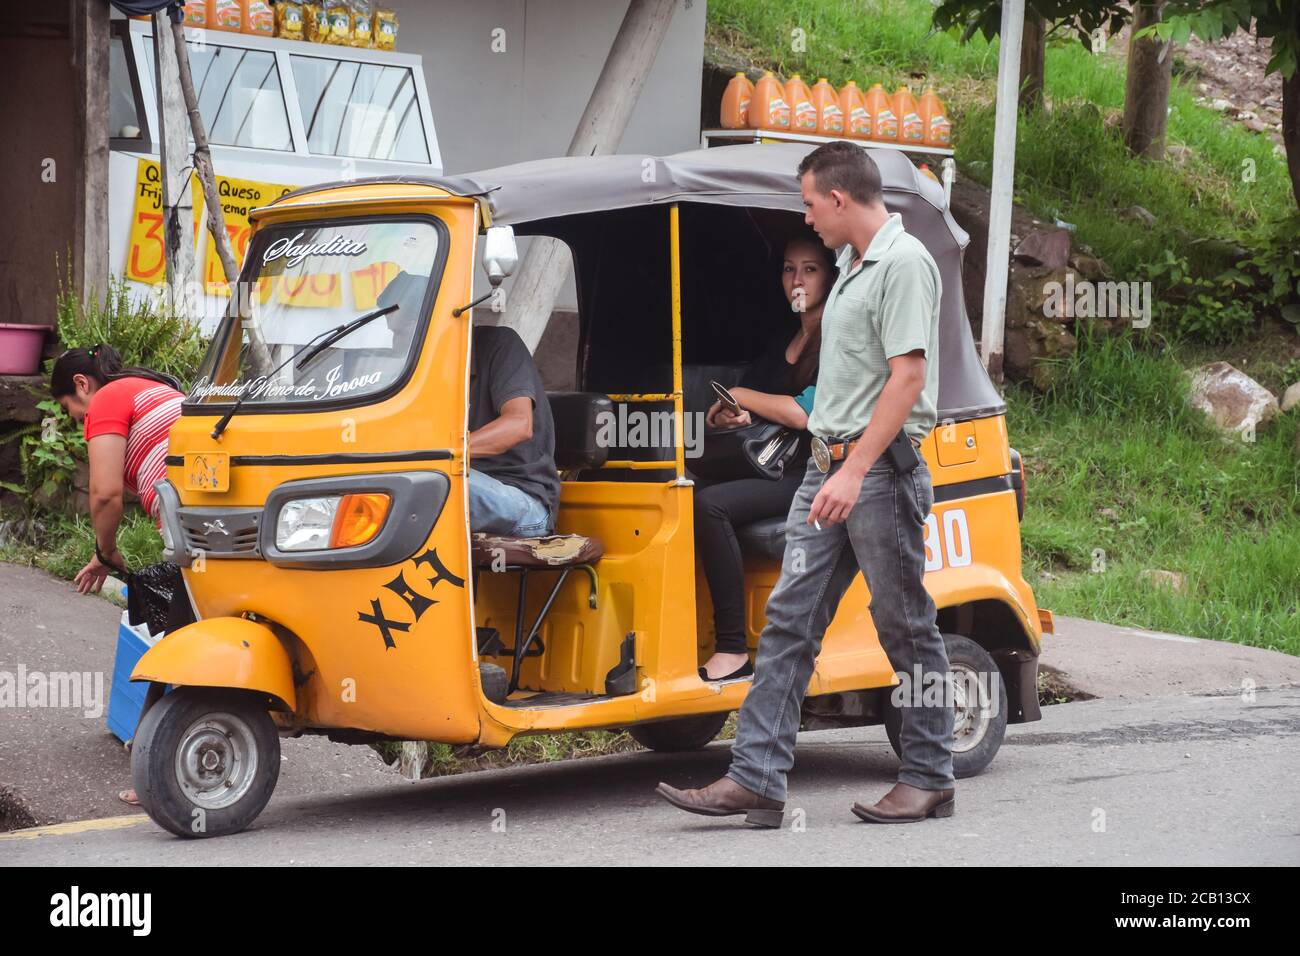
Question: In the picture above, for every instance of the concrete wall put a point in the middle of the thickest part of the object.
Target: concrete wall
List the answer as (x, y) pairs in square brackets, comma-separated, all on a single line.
[(493, 108)]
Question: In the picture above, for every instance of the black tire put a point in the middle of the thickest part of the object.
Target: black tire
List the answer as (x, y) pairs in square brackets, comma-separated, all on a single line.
[(679, 733), (977, 731), (205, 761)]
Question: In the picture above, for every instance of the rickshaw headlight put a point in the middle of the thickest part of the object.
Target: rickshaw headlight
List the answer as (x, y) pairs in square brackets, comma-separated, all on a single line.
[(330, 521)]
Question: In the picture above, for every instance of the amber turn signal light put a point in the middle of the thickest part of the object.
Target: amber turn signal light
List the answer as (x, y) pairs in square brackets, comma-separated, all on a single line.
[(358, 519)]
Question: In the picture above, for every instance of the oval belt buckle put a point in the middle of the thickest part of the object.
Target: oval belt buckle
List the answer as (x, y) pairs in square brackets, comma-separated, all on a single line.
[(821, 455)]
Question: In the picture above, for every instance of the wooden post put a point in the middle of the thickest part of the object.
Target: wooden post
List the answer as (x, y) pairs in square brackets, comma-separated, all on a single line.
[(90, 238), (203, 160), (173, 148), (1004, 169), (546, 263)]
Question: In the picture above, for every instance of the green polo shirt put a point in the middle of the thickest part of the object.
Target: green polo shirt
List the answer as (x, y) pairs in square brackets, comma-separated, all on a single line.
[(887, 306)]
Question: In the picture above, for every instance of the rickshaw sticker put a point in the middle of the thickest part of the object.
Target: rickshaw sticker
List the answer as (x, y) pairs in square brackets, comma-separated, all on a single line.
[(297, 252), (384, 624), (417, 602)]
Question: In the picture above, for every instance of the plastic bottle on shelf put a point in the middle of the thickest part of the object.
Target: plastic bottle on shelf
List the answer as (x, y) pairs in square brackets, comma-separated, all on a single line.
[(225, 15), (196, 13), (938, 127), (735, 102), (803, 115), (884, 121), (927, 171), (830, 118), (911, 131), (769, 109), (258, 17), (857, 116)]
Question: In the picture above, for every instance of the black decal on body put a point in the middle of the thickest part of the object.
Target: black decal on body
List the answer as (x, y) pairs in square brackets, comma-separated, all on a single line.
[(384, 624)]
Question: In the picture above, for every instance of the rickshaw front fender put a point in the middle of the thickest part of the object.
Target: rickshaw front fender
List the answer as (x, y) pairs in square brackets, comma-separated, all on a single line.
[(222, 652)]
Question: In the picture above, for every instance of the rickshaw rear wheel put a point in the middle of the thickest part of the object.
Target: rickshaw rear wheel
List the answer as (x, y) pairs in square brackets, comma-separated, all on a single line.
[(679, 733), (980, 705), (205, 761)]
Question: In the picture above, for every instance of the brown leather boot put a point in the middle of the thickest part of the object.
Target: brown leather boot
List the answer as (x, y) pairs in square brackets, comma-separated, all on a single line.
[(908, 804), (725, 798)]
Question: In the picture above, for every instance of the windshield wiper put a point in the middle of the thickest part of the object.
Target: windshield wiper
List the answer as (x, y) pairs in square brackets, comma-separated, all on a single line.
[(330, 336)]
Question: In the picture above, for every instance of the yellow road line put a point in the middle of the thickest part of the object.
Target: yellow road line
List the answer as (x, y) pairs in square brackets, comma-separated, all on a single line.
[(76, 826)]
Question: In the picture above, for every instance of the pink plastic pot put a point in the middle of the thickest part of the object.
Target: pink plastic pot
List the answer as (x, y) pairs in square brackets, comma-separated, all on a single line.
[(20, 348)]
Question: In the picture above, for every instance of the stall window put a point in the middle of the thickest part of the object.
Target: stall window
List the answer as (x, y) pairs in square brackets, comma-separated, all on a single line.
[(361, 110), (123, 107), (239, 96)]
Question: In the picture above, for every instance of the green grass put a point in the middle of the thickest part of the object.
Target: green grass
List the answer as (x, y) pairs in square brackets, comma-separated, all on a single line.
[(1120, 468), (65, 545), (1068, 163)]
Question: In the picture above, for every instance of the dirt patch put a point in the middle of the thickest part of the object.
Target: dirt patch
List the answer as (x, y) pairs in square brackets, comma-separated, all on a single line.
[(1055, 688), (14, 814)]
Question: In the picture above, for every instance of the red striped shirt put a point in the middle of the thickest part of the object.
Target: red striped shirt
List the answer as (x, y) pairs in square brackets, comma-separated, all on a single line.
[(143, 411)]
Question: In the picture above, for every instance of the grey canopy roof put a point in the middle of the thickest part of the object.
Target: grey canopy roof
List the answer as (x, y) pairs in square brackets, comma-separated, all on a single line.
[(748, 175), (754, 175)]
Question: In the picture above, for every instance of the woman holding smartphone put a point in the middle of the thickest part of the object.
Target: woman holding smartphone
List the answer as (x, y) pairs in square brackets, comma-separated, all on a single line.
[(778, 386)]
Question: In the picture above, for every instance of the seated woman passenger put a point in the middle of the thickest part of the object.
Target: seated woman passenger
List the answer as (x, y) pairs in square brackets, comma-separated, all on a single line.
[(778, 386)]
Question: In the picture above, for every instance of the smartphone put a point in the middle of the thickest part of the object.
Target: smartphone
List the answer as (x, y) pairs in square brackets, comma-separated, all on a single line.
[(902, 453), (725, 396)]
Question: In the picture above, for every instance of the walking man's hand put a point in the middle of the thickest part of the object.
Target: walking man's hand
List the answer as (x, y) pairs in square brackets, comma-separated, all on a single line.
[(838, 495)]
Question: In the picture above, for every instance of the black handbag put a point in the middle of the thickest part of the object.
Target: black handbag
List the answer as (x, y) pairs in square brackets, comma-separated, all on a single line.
[(761, 449)]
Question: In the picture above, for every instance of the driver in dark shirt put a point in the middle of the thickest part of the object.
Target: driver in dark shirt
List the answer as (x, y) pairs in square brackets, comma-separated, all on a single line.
[(514, 488)]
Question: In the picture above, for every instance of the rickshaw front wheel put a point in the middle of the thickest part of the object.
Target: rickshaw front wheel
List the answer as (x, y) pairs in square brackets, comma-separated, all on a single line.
[(679, 733), (205, 761), (979, 699)]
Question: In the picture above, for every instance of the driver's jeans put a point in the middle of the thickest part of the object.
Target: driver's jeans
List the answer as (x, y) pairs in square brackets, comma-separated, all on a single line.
[(498, 508), (883, 537)]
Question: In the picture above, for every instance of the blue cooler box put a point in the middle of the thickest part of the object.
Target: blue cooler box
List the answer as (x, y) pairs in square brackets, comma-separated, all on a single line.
[(126, 699)]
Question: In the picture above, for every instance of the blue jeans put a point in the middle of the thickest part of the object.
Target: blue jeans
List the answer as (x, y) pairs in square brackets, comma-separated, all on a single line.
[(884, 537), (498, 508)]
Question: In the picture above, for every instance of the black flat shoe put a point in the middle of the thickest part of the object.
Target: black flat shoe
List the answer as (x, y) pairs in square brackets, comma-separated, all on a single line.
[(740, 673)]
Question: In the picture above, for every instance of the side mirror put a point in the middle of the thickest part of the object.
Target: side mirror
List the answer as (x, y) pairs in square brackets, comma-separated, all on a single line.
[(499, 254)]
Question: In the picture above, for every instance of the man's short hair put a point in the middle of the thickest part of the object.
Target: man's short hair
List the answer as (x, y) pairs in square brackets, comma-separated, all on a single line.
[(845, 167)]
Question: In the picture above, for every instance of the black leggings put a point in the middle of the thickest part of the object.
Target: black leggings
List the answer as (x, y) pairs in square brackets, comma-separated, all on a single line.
[(720, 508)]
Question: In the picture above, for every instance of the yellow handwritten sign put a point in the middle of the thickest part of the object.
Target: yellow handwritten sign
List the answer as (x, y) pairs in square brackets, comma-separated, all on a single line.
[(146, 259), (145, 255)]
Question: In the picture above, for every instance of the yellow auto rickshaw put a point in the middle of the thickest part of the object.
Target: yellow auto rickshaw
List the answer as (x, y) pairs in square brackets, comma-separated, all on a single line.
[(316, 492)]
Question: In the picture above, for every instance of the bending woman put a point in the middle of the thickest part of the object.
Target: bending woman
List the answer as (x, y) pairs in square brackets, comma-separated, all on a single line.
[(127, 414), (778, 386)]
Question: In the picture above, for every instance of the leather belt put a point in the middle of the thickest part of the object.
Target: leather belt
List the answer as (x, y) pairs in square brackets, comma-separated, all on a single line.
[(827, 450)]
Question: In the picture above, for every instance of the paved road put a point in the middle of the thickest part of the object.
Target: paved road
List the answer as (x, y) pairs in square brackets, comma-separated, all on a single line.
[(1162, 781)]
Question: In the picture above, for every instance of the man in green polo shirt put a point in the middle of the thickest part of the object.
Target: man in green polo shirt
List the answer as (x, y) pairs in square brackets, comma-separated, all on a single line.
[(862, 506)]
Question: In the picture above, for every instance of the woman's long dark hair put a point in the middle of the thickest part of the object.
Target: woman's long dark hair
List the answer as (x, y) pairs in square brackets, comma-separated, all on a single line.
[(804, 372), (102, 364)]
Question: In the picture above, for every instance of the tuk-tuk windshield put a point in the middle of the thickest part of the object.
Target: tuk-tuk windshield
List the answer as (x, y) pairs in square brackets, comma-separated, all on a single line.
[(305, 281)]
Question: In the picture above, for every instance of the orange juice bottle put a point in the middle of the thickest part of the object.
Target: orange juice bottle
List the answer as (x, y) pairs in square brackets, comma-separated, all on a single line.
[(884, 121), (769, 109), (196, 13), (803, 115), (225, 15), (938, 128), (927, 171), (259, 18), (857, 118), (830, 118), (735, 102), (910, 128)]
